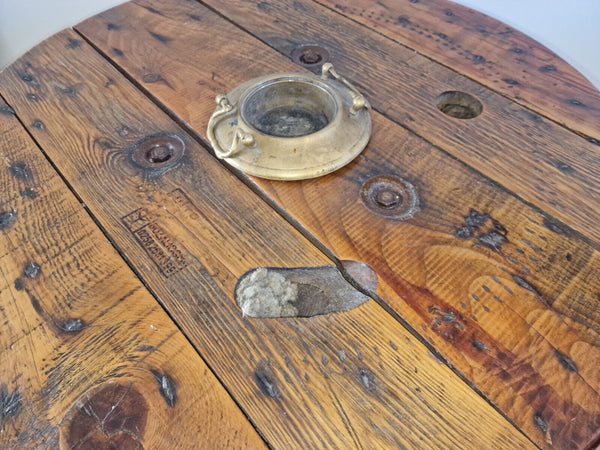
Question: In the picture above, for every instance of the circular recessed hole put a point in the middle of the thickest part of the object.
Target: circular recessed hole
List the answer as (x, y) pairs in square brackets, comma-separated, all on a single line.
[(158, 151), (289, 108), (310, 55), (390, 196), (459, 105)]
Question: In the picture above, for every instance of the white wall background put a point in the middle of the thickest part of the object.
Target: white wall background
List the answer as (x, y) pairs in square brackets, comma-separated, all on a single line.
[(569, 28)]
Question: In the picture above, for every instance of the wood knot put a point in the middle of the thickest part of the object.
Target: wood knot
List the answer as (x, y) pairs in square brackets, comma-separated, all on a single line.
[(113, 417)]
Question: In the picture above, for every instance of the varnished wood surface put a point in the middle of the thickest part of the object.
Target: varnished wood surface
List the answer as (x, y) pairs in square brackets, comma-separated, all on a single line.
[(488, 51), (540, 161), (508, 294), (88, 357), (355, 379), (530, 299)]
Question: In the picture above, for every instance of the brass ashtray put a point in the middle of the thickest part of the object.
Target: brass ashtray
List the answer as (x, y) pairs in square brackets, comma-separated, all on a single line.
[(291, 126)]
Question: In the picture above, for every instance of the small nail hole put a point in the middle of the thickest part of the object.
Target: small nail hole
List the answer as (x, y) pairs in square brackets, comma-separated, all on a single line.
[(459, 105)]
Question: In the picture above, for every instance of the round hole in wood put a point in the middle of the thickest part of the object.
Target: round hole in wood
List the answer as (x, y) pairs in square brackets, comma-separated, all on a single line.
[(459, 105)]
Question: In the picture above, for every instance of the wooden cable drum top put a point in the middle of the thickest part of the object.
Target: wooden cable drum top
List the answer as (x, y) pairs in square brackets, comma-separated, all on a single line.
[(439, 289)]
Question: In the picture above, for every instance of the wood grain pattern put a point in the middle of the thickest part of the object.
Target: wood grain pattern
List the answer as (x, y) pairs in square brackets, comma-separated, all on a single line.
[(88, 357), (345, 380), (545, 164), (487, 51), (525, 324)]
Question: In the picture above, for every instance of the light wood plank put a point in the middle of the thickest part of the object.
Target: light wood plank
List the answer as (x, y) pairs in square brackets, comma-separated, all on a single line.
[(88, 357)]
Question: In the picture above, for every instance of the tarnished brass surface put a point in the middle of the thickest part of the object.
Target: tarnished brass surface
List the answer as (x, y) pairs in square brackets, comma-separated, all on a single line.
[(291, 126)]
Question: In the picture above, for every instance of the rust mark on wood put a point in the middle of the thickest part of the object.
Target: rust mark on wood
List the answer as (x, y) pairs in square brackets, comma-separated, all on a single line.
[(113, 417), (302, 292)]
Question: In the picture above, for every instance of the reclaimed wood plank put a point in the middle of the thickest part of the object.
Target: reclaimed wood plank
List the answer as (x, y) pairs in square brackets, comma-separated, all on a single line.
[(528, 303), (545, 164), (89, 358), (343, 380), (487, 51)]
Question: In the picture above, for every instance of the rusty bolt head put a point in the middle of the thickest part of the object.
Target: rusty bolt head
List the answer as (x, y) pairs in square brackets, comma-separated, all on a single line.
[(310, 55), (387, 198), (390, 196), (158, 151)]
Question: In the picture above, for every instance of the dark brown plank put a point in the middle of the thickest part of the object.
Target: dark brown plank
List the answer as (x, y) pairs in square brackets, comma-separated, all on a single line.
[(533, 157), (343, 380), (519, 350), (487, 51), (88, 357)]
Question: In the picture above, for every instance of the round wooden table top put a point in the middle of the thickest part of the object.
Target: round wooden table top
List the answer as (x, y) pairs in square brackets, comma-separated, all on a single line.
[(132, 260)]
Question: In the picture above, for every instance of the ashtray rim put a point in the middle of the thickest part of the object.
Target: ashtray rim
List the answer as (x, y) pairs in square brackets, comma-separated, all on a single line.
[(305, 156)]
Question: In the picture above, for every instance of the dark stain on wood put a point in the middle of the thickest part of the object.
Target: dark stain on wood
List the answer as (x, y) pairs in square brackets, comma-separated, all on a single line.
[(38, 124), (480, 346), (8, 219), (35, 303), (195, 17), (166, 387), (160, 37), (479, 224), (576, 103), (32, 270), (114, 417), (112, 26), (20, 170), (540, 423), (32, 97), (510, 81), (152, 10), (29, 79), (266, 380), (476, 219), (117, 51), (72, 326), (493, 240), (73, 44), (525, 285), (548, 68), (68, 90), (478, 59), (10, 404), (7, 110), (263, 6), (367, 379), (564, 167), (19, 284), (29, 193), (553, 226), (566, 362)]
